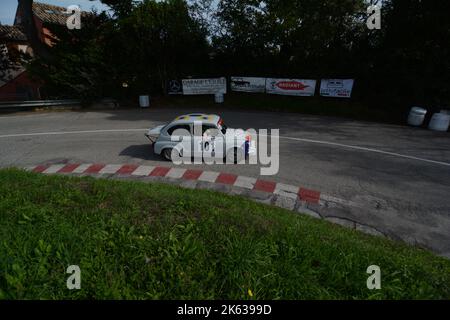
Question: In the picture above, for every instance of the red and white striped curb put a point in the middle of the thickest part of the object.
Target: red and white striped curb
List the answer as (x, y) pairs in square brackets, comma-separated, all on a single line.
[(286, 190)]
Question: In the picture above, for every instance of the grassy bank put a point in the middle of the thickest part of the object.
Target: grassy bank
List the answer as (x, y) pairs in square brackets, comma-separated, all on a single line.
[(155, 241)]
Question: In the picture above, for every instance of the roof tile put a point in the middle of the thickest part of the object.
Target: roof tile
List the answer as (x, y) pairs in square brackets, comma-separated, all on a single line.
[(12, 33)]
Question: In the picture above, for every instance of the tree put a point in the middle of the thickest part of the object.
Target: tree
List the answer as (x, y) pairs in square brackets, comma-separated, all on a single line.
[(77, 68), (145, 43), (156, 42), (142, 48), (280, 37), (412, 58), (121, 8)]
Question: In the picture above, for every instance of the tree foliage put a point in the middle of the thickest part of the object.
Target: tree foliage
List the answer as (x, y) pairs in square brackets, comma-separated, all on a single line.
[(406, 61), (145, 43), (136, 51), (279, 37), (77, 68), (156, 42)]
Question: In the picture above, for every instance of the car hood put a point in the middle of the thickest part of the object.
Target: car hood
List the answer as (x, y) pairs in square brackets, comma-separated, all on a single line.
[(155, 131)]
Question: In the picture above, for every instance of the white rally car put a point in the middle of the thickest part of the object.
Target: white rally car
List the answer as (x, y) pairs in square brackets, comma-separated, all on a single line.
[(202, 135)]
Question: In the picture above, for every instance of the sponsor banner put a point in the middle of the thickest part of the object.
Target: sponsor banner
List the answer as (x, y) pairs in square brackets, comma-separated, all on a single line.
[(204, 86), (174, 87), (341, 88), (291, 87), (248, 84)]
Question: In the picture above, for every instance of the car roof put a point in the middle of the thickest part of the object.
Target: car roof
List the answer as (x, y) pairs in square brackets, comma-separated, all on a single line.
[(191, 117)]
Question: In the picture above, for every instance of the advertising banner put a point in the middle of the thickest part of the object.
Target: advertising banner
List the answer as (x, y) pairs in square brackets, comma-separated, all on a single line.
[(341, 88), (248, 84), (291, 87), (174, 87), (204, 86)]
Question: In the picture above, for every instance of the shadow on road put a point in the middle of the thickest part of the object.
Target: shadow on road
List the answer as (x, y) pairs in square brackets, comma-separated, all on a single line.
[(141, 151)]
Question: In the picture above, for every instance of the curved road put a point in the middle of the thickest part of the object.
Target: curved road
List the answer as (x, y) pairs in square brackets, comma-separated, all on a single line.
[(398, 176)]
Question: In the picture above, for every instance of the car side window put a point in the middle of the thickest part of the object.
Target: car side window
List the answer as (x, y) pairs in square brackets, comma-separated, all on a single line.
[(182, 130), (211, 130)]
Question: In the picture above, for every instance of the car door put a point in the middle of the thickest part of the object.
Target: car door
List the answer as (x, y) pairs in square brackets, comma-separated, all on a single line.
[(180, 138), (212, 141)]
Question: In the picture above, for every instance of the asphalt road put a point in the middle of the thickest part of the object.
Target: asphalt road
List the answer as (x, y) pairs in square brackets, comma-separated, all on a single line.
[(400, 174)]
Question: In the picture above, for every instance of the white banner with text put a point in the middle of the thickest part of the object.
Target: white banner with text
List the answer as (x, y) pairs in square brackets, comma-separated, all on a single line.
[(204, 86), (341, 88), (248, 84)]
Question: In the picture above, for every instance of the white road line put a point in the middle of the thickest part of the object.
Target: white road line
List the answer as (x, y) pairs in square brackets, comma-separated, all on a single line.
[(32, 115), (335, 144)]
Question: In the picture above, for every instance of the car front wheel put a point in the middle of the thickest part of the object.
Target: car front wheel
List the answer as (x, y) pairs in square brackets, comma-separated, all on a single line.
[(167, 154)]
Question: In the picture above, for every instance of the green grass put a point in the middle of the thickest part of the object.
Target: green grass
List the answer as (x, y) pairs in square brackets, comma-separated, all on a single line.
[(335, 107), (155, 241)]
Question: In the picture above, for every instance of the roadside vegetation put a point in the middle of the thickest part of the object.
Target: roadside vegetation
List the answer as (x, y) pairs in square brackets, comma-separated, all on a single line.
[(139, 46), (136, 240)]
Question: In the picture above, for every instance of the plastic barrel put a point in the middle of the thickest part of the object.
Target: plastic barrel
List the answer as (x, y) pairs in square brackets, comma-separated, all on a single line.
[(144, 101), (439, 122), (218, 98), (416, 116)]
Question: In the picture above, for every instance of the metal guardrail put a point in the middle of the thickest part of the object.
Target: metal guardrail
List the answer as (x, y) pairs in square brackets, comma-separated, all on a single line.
[(37, 103), (49, 103)]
